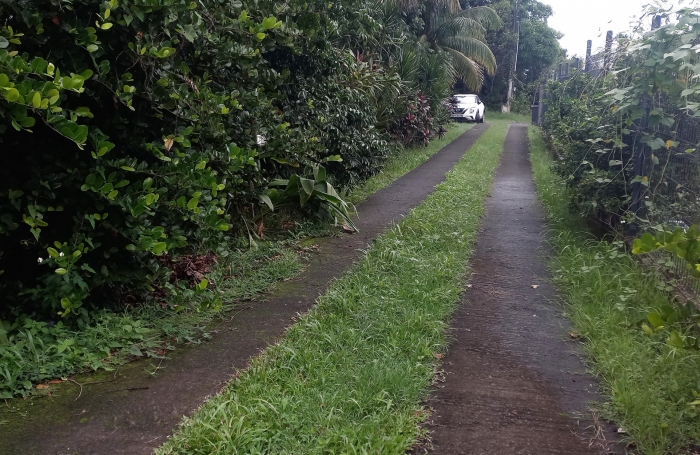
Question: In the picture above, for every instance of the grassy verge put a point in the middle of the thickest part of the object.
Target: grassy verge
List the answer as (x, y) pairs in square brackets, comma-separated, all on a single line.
[(405, 161), (37, 351), (650, 385), (350, 375)]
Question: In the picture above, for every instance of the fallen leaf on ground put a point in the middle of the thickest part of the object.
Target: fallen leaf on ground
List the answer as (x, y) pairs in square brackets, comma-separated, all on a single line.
[(469, 285), (574, 335), (42, 386), (348, 229), (55, 381), (438, 356), (535, 286)]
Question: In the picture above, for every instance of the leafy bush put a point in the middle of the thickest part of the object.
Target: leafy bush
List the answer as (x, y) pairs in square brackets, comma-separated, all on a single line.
[(133, 129), (587, 138)]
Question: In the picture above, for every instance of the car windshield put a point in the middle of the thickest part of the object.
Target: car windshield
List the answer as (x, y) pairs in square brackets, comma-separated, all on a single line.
[(466, 99)]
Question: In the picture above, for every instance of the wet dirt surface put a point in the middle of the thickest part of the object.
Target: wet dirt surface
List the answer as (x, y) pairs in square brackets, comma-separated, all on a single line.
[(514, 381), (136, 411)]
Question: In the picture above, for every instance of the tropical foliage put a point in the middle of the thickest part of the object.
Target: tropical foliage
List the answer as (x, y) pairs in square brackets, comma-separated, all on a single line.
[(538, 50)]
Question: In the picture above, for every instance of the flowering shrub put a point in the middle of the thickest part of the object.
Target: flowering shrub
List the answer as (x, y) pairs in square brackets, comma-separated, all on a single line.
[(416, 126)]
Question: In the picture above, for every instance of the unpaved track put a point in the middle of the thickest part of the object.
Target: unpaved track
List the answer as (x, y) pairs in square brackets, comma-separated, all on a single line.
[(137, 412), (513, 384)]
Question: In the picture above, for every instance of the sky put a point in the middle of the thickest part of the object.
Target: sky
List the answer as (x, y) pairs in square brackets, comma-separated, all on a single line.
[(581, 20)]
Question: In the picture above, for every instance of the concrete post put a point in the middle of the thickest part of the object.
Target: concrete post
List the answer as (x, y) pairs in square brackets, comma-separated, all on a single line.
[(589, 46)]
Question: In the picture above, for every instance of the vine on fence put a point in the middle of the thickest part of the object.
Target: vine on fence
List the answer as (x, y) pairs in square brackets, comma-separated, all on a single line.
[(627, 146)]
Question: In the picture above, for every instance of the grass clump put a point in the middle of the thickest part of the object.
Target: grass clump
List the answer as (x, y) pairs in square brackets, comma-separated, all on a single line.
[(350, 375), (650, 384), (404, 161)]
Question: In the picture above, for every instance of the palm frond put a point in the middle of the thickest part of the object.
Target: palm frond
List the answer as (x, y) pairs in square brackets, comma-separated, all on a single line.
[(477, 51), (484, 15), (461, 26), (466, 69), (407, 64)]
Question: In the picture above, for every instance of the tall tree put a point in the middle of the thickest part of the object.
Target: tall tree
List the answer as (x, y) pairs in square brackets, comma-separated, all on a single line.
[(537, 52), (460, 32)]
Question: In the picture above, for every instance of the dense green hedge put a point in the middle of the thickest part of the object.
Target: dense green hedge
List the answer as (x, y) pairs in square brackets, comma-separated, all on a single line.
[(136, 129)]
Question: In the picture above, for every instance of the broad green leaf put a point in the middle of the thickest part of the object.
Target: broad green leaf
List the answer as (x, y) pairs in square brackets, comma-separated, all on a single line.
[(320, 173), (676, 340), (159, 247), (12, 95), (307, 185), (655, 320), (266, 199)]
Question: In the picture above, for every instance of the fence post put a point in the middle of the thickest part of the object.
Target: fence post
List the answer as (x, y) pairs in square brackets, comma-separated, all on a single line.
[(589, 46), (639, 162), (608, 51), (540, 108)]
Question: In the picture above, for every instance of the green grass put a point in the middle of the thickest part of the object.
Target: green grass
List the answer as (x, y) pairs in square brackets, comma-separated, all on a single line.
[(607, 292), (404, 161), (510, 117), (36, 351), (350, 376)]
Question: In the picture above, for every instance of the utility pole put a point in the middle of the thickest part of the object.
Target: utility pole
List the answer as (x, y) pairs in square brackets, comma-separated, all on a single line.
[(516, 30)]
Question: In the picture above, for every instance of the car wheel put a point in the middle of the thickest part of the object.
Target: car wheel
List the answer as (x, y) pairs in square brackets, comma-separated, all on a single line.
[(483, 118)]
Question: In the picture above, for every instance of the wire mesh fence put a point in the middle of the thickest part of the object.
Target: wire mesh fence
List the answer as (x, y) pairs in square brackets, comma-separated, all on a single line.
[(668, 188)]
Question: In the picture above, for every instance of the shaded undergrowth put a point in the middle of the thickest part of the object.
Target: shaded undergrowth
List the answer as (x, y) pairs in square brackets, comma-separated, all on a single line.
[(608, 294)]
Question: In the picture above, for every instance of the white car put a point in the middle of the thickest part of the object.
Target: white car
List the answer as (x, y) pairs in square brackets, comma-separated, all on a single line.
[(469, 109)]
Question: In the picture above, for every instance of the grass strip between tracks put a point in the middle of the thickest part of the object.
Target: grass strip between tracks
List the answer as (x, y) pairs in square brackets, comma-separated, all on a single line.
[(350, 376), (607, 293)]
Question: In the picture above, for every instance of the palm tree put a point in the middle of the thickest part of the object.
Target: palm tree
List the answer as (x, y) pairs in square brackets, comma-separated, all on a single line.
[(462, 34)]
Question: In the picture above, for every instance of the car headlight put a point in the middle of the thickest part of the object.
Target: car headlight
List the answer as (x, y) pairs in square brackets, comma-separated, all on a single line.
[(471, 111)]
